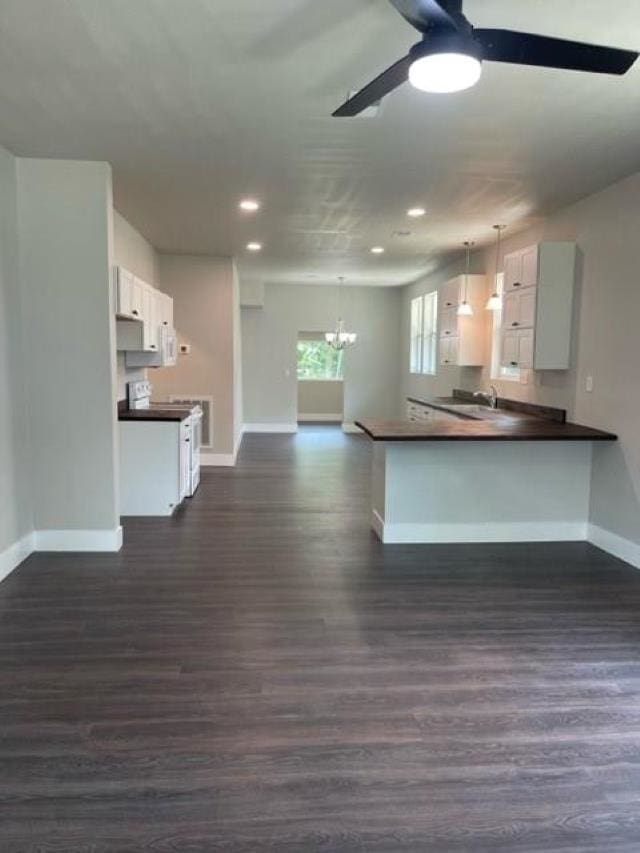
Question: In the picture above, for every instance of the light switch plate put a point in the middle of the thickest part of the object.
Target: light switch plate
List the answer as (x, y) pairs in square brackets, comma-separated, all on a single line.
[(589, 384)]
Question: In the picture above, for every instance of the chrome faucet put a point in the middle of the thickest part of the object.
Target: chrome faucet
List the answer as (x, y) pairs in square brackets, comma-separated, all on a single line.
[(491, 396)]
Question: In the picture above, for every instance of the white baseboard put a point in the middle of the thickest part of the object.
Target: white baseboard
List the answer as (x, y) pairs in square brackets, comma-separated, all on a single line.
[(78, 540), (271, 428), (320, 419), (15, 554), (217, 460), (351, 428), (395, 534), (616, 545)]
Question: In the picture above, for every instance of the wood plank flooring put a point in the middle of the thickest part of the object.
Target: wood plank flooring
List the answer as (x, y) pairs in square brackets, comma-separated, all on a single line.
[(260, 674)]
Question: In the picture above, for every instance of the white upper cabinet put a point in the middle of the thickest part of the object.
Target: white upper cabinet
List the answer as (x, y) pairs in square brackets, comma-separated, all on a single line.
[(150, 308), (462, 338), (538, 306), (451, 294), (129, 295)]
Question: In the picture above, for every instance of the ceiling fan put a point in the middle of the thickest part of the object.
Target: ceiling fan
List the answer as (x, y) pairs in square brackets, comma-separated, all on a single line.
[(449, 57)]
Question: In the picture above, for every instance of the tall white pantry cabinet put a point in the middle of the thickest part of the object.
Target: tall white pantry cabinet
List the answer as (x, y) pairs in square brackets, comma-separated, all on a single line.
[(539, 284)]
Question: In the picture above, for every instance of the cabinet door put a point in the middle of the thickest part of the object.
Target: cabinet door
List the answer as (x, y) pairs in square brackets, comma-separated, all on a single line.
[(512, 272), (137, 298), (185, 458), (530, 267), (527, 308), (511, 309), (124, 287), (449, 323), (165, 305), (451, 294), (151, 324), (510, 349), (525, 349), (449, 351)]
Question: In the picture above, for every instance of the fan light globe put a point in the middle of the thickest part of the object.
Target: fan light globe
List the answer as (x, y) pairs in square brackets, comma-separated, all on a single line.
[(445, 72)]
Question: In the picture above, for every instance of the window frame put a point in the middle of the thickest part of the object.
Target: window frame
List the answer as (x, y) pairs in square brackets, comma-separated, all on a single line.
[(423, 334), (318, 340)]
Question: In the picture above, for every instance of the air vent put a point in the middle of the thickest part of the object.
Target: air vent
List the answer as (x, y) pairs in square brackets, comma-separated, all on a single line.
[(401, 234), (206, 404)]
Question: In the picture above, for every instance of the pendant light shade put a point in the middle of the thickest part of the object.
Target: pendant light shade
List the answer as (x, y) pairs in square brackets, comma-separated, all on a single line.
[(465, 309), (495, 300)]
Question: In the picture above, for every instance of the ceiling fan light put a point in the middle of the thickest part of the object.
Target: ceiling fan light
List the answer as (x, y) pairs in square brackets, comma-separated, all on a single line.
[(495, 302), (444, 64)]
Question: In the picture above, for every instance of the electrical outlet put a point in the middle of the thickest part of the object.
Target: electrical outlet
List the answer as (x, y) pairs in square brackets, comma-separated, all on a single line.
[(589, 384)]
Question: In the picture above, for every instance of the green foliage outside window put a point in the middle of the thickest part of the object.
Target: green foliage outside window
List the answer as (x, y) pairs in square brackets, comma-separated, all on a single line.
[(317, 360)]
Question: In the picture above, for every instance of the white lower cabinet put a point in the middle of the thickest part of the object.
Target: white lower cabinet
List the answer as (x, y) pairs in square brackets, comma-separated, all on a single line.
[(154, 466)]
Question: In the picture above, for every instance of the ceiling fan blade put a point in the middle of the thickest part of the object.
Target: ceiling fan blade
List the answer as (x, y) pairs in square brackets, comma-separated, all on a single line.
[(424, 14), (377, 89), (529, 49)]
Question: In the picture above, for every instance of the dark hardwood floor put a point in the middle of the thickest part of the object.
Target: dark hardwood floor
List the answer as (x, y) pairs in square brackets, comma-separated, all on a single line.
[(260, 674)]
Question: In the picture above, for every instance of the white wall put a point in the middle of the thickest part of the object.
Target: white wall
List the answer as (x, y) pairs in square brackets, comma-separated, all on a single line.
[(269, 338), (16, 517), (606, 345), (320, 397), (66, 231), (132, 251), (205, 296)]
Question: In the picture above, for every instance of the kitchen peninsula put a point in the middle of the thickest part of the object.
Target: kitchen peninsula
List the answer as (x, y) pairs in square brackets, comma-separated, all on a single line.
[(457, 471)]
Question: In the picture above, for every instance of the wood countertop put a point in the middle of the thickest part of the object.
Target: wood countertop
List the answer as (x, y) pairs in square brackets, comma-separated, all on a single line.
[(493, 426)]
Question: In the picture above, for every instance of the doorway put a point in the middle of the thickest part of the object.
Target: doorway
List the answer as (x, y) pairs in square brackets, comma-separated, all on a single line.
[(320, 371)]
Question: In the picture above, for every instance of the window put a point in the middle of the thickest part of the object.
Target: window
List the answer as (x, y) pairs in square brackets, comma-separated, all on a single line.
[(424, 333), (317, 360), (497, 370)]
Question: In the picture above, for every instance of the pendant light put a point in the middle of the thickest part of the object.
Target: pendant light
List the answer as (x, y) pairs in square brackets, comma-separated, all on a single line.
[(465, 309), (340, 339), (495, 300)]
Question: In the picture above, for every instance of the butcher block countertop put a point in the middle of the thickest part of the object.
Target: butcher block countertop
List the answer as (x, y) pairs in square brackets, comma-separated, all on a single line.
[(499, 428)]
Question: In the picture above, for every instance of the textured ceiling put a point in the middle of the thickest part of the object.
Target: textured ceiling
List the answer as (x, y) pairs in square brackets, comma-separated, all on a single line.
[(197, 103)]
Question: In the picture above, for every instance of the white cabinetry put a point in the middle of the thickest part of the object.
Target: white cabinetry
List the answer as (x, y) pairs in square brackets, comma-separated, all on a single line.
[(462, 338), (154, 466), (422, 412), (538, 307), (145, 321), (129, 295)]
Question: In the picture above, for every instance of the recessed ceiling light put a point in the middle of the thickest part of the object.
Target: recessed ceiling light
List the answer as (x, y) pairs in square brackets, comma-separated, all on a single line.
[(377, 250), (254, 247), (416, 212), (250, 205)]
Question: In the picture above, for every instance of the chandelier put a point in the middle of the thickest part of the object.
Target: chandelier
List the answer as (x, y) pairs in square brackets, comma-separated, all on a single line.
[(340, 339)]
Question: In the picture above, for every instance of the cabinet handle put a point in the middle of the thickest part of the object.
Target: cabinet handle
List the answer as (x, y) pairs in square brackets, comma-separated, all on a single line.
[(187, 439), (514, 364), (446, 361), (152, 346), (515, 324), (164, 323), (135, 312), (517, 284), (448, 304), (447, 333)]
